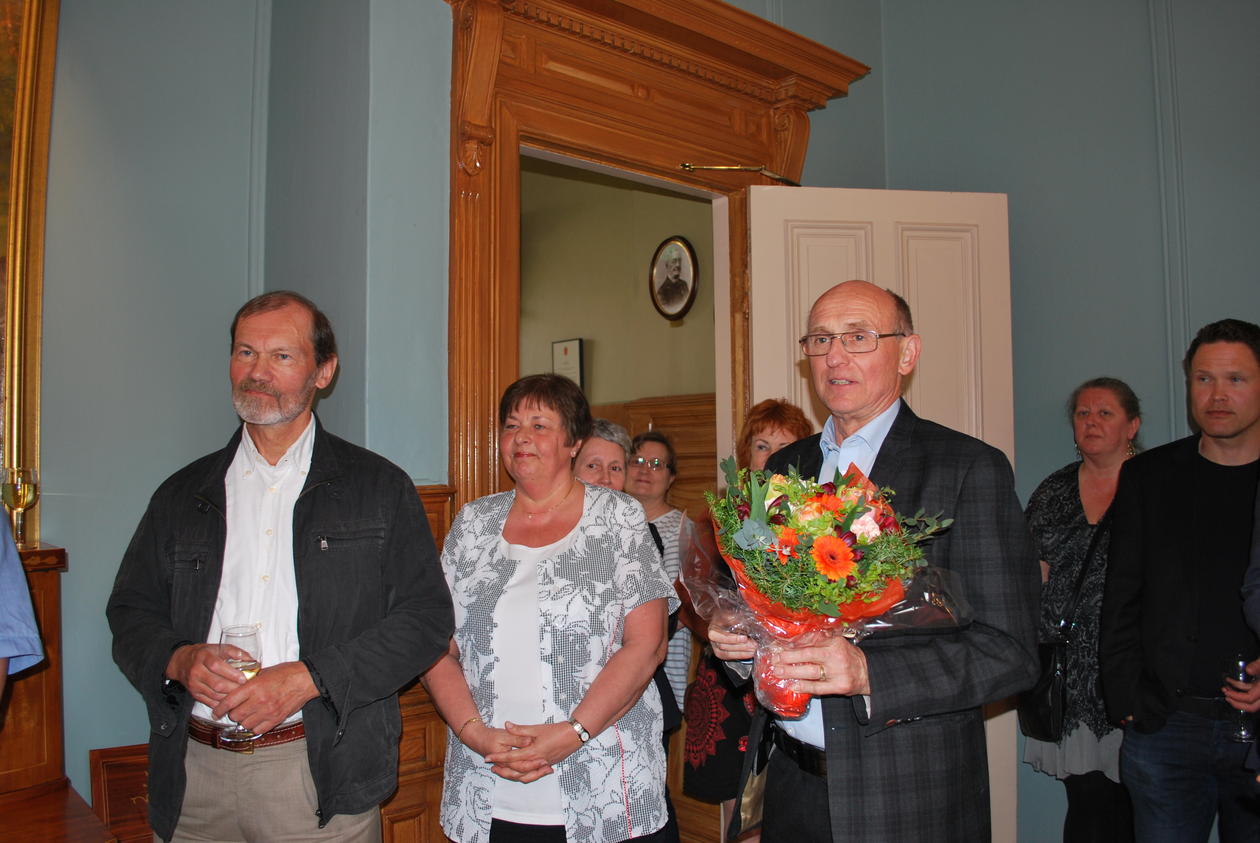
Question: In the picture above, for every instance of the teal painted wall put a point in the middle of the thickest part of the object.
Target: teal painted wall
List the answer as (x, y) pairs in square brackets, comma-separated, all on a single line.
[(150, 250), (317, 151), (408, 231)]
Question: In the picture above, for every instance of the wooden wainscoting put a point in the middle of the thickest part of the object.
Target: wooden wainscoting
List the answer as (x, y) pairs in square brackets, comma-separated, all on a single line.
[(690, 422), (411, 814)]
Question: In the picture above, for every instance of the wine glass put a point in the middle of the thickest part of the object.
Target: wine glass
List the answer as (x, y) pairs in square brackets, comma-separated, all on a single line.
[(243, 637), (19, 489), (1242, 729)]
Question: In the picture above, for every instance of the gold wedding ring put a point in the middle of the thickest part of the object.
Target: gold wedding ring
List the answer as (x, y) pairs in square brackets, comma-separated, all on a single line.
[(822, 673)]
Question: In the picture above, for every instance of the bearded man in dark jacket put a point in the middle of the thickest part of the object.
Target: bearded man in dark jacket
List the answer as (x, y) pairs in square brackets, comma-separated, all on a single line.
[(324, 548)]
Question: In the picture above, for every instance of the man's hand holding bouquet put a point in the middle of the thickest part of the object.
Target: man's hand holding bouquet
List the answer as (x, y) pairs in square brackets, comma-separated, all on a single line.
[(815, 559)]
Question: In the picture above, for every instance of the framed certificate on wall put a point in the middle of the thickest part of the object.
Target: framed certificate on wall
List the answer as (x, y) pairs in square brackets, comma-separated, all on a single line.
[(566, 359)]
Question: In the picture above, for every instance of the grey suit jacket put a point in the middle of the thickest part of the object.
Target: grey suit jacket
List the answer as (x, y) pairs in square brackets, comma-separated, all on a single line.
[(916, 768)]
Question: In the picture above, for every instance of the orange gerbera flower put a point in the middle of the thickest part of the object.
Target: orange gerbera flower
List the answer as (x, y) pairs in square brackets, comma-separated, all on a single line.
[(833, 558), (830, 503)]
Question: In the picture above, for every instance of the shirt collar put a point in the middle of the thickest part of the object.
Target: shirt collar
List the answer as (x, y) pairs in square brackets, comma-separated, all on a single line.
[(298, 454), (872, 434)]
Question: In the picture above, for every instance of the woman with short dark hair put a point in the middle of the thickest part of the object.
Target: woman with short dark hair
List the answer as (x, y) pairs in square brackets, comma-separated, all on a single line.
[(560, 610)]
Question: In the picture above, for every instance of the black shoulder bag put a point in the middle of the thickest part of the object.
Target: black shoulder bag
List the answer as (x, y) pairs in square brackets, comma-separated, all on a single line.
[(1042, 707)]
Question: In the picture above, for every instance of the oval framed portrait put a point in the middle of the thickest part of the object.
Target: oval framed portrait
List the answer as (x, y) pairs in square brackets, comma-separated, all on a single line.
[(673, 278)]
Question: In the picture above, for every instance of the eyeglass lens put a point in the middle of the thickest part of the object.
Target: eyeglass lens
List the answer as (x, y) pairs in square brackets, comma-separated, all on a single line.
[(856, 342), (653, 464)]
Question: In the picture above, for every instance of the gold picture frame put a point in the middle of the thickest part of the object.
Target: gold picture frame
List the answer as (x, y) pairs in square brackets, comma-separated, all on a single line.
[(28, 31)]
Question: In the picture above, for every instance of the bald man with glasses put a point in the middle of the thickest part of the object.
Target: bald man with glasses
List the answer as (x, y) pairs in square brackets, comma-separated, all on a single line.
[(893, 745)]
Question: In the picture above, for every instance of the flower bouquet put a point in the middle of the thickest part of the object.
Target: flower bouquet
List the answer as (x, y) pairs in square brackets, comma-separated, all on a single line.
[(810, 559)]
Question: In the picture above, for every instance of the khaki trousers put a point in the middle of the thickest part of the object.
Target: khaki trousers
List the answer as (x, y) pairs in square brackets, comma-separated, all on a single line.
[(260, 798)]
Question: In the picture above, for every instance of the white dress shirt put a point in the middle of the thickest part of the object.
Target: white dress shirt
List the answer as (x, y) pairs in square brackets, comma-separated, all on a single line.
[(859, 448), (259, 586)]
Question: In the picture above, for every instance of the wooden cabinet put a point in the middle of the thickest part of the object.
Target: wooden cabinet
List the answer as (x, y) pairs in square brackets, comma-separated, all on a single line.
[(36, 799), (31, 741)]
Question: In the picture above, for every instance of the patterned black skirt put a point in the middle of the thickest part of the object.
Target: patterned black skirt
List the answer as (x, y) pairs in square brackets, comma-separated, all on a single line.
[(718, 716)]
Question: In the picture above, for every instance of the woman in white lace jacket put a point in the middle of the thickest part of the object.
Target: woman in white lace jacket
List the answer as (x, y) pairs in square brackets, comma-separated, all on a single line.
[(560, 610)]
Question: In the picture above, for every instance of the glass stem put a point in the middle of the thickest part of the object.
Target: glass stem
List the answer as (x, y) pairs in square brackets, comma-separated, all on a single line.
[(19, 528)]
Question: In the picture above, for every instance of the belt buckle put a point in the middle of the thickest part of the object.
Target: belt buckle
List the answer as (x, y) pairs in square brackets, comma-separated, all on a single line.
[(243, 747)]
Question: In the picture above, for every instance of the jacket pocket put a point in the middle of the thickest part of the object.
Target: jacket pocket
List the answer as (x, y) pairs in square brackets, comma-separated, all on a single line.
[(355, 538), (340, 568), (187, 565)]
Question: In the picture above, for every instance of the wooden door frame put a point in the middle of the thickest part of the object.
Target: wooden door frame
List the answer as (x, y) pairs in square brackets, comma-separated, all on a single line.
[(641, 86)]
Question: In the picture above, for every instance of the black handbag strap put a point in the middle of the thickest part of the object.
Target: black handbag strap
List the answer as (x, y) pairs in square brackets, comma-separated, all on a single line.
[(1069, 610)]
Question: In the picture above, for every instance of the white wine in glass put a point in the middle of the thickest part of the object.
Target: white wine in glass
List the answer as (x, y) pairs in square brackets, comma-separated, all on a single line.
[(243, 637), (19, 489)]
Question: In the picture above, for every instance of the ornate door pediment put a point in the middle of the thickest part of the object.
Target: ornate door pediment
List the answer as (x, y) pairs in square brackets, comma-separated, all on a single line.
[(638, 85)]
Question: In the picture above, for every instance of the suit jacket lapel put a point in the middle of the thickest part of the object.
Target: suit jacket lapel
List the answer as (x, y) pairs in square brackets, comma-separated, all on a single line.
[(889, 468)]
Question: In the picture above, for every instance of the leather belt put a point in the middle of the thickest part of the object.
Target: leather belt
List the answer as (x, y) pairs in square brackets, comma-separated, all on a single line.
[(808, 757), (211, 734)]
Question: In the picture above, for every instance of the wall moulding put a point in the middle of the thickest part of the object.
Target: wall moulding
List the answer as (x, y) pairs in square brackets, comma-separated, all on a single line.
[(638, 85)]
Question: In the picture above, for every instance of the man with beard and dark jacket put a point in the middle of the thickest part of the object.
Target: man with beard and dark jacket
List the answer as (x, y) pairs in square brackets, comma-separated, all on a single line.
[(322, 547)]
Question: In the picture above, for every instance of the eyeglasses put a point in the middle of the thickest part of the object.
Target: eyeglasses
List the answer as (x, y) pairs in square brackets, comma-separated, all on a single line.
[(854, 342), (654, 464)]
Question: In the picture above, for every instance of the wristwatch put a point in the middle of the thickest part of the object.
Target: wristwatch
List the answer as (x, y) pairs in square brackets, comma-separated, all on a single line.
[(582, 734)]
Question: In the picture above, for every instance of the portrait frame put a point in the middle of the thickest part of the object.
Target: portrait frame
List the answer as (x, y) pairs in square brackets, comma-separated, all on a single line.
[(670, 300)]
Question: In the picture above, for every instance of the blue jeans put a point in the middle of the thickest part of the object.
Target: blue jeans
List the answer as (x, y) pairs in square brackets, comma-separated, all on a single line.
[(1182, 775)]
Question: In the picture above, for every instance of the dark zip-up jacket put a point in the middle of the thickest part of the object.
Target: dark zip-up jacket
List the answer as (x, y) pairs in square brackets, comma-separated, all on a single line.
[(373, 613)]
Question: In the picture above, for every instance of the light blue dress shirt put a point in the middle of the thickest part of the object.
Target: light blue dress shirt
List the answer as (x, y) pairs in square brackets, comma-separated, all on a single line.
[(19, 637), (859, 448)]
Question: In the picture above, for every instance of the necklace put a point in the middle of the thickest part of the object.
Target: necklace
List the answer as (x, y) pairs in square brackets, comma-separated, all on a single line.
[(553, 507)]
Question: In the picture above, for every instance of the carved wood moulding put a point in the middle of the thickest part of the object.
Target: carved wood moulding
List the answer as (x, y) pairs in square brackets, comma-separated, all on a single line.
[(637, 85)]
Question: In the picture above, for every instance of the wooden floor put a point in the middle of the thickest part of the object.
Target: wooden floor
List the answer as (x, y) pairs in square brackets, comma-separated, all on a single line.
[(51, 813)]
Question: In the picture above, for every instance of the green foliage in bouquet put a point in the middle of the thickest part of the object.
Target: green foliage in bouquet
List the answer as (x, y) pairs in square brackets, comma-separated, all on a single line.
[(829, 548)]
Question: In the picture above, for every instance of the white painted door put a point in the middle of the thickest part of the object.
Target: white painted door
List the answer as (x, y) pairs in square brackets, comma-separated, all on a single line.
[(947, 255)]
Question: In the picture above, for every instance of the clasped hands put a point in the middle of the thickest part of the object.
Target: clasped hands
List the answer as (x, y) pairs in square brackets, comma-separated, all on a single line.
[(522, 753), (818, 664), (258, 704)]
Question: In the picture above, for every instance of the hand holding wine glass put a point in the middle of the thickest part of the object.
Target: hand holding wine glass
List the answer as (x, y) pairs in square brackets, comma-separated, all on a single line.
[(247, 658), (19, 489), (1242, 726)]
